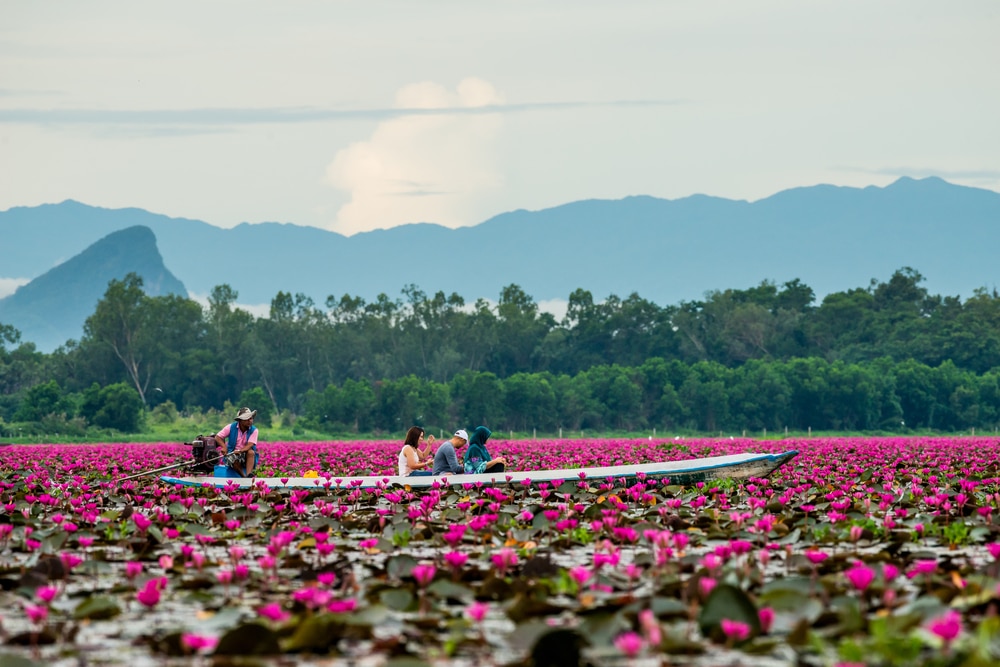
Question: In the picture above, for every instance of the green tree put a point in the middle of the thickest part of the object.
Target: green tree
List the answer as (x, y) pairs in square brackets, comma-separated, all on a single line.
[(357, 405), (180, 365), (255, 399), (620, 397), (705, 396), (165, 413), (915, 387), (852, 400), (351, 406), (8, 336), (807, 380), (843, 325), (319, 408), (410, 401), (477, 399), (521, 328), (760, 396), (116, 406), (42, 400), (228, 333), (21, 367), (119, 324), (529, 401)]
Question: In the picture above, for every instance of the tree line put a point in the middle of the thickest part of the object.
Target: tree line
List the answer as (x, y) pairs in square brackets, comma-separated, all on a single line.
[(886, 356)]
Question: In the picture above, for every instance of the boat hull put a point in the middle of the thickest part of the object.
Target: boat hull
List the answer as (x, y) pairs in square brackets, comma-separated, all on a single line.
[(735, 466)]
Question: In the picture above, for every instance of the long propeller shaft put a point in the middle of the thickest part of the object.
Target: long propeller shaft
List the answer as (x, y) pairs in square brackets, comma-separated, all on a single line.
[(170, 467)]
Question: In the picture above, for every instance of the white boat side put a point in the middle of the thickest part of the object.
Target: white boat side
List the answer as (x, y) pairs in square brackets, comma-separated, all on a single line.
[(733, 466)]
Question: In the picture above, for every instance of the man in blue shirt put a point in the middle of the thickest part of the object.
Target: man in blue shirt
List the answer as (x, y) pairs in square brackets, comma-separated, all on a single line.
[(239, 439)]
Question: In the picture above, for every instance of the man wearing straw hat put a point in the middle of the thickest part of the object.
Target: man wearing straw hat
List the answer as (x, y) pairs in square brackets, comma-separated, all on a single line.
[(239, 438)]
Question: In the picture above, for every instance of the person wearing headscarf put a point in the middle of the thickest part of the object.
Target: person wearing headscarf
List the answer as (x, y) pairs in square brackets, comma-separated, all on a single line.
[(477, 457)]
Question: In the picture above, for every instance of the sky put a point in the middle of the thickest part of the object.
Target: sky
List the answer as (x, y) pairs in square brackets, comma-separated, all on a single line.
[(353, 116)]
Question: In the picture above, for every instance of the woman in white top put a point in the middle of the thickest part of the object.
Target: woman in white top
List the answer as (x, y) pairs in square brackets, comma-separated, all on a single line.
[(414, 461)]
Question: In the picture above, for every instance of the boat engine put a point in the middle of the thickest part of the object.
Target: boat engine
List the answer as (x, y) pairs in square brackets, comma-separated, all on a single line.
[(205, 452)]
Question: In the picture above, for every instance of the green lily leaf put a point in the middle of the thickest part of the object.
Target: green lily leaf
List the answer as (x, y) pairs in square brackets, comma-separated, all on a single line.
[(442, 588), (315, 633), (400, 566), (399, 599), (12, 660), (97, 607), (248, 639), (727, 602)]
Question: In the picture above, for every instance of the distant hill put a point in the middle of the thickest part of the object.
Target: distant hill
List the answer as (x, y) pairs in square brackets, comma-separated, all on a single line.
[(53, 307), (831, 238)]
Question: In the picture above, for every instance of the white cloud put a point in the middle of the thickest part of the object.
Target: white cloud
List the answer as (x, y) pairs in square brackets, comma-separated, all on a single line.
[(9, 285), (439, 167), (558, 307)]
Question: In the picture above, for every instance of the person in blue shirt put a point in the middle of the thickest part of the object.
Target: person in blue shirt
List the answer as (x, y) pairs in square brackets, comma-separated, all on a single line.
[(239, 438), (445, 458)]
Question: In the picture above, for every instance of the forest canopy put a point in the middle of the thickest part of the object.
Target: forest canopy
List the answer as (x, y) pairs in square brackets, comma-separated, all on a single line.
[(885, 356)]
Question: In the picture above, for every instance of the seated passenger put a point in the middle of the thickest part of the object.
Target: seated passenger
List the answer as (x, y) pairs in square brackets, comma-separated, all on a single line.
[(446, 460), (477, 457), (413, 461)]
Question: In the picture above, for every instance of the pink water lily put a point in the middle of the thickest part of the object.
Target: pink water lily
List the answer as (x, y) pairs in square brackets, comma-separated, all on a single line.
[(766, 617), (922, 567), (46, 593), (629, 643), (455, 559), (273, 612), (946, 627), (504, 560), (860, 576), (278, 545), (149, 595), (197, 643), (650, 627), (816, 557), (36, 613), (580, 575), (423, 573), (477, 611), (342, 606), (734, 630)]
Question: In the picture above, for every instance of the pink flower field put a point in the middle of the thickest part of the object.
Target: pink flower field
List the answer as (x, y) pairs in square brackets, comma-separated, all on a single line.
[(860, 551)]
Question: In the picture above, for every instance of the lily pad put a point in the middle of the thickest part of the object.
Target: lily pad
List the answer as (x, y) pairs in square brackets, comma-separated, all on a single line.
[(97, 607), (445, 589), (315, 633), (399, 599), (727, 602), (400, 566), (248, 639), (13, 660)]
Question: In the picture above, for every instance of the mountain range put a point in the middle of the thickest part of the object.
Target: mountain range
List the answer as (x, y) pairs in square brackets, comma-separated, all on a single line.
[(831, 238), (53, 307)]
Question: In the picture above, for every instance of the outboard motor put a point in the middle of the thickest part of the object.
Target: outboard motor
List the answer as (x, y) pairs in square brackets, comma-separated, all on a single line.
[(205, 452)]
